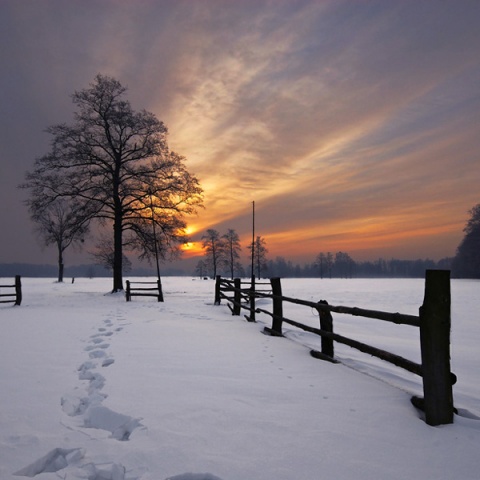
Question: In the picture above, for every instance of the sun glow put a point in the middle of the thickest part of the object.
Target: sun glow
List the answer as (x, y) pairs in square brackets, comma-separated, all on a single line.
[(192, 249)]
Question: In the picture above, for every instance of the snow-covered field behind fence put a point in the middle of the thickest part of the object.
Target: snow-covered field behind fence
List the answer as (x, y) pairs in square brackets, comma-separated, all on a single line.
[(93, 387)]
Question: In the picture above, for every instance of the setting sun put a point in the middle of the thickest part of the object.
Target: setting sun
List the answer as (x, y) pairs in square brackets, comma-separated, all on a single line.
[(192, 249)]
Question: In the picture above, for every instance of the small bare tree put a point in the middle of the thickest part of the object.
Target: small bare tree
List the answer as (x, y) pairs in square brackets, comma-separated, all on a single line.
[(214, 250), (61, 223), (201, 268), (260, 255), (232, 248), (324, 262)]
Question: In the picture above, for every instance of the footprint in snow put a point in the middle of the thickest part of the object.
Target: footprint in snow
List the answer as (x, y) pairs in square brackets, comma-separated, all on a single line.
[(70, 460), (194, 476), (97, 354), (121, 426), (107, 362), (104, 334), (55, 460)]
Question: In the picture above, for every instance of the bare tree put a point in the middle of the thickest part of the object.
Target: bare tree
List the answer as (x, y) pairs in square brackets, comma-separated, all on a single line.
[(466, 263), (116, 161), (324, 262), (201, 268), (61, 223), (232, 249), (344, 265), (259, 255), (320, 263), (214, 250)]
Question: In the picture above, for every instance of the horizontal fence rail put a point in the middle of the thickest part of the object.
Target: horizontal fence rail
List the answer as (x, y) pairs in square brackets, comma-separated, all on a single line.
[(154, 290), (433, 321), (13, 293)]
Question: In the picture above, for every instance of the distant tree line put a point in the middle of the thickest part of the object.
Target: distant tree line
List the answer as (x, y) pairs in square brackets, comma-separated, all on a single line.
[(222, 256), (341, 265)]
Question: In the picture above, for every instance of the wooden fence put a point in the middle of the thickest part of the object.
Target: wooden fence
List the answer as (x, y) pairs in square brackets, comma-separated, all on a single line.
[(433, 322), (242, 296), (144, 291), (14, 292)]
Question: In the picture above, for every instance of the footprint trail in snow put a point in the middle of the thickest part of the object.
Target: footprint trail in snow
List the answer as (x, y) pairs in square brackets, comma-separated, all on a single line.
[(88, 412)]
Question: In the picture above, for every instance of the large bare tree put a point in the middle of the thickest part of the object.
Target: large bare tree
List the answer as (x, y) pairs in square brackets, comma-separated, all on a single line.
[(116, 162)]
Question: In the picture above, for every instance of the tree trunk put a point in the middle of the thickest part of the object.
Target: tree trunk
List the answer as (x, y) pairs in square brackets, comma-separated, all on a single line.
[(117, 230), (60, 264), (117, 254)]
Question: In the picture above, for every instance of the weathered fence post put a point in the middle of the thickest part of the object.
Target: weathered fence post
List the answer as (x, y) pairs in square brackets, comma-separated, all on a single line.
[(435, 345), (127, 292), (326, 324), (251, 318), (160, 292), (217, 290), (277, 309), (237, 296), (18, 290)]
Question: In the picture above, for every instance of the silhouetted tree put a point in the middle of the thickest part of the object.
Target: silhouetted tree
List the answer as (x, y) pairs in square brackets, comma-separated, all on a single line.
[(320, 263), (214, 250), (232, 248), (259, 255), (324, 264), (329, 264), (62, 223), (116, 163), (201, 268), (344, 265), (467, 260)]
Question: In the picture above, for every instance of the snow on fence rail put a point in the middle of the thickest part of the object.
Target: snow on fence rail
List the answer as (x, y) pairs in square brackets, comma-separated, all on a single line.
[(14, 293), (433, 322), (151, 291)]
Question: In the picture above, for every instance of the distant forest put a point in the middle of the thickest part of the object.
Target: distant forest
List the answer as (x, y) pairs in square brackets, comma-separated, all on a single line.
[(343, 266), (279, 267), (80, 271)]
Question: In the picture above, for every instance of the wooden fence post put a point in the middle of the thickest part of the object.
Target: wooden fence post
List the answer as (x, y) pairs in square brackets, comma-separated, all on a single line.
[(277, 309), (251, 318), (160, 292), (435, 345), (18, 290), (326, 324), (217, 290), (127, 293), (237, 296)]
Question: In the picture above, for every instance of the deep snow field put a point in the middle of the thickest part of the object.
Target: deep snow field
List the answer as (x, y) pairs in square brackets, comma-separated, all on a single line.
[(93, 387)]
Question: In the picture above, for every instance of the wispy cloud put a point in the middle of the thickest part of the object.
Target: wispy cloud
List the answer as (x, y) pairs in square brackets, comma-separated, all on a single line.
[(353, 125)]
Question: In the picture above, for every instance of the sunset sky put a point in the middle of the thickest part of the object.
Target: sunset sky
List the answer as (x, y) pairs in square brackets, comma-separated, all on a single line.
[(354, 125)]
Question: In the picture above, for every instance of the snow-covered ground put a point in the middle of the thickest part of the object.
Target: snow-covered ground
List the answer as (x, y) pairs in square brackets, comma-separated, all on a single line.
[(93, 387)]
